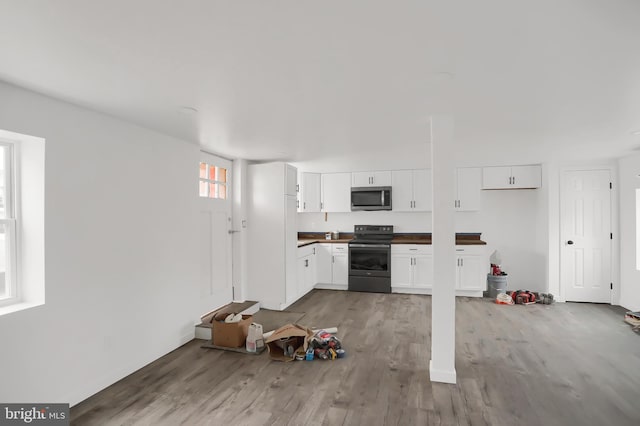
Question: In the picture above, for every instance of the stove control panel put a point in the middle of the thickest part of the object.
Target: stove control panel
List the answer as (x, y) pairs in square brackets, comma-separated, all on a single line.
[(373, 229)]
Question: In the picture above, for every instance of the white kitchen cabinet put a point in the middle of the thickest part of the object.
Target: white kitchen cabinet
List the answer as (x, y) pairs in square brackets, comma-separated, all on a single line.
[(309, 193), (272, 234), (411, 190), (380, 178), (471, 268), (332, 265), (468, 185), (323, 263), (336, 192), (306, 269), (512, 177), (411, 266), (291, 179), (401, 269), (340, 264)]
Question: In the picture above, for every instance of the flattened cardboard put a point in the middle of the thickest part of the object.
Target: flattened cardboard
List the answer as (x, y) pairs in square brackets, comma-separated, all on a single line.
[(230, 335), (276, 352)]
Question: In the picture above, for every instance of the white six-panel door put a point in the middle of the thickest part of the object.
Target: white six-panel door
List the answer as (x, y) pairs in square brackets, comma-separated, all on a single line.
[(586, 240)]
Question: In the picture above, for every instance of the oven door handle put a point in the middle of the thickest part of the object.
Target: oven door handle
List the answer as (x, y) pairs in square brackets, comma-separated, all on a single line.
[(370, 245)]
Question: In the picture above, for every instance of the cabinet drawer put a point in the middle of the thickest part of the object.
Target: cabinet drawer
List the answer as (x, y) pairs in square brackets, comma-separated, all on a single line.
[(411, 249), (340, 248), (470, 249)]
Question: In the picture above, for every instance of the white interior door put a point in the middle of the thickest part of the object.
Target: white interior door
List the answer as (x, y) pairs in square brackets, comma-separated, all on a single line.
[(216, 288), (586, 239)]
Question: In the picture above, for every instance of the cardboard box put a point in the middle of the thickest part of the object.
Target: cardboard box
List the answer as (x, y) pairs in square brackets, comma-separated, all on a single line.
[(230, 335), (294, 335)]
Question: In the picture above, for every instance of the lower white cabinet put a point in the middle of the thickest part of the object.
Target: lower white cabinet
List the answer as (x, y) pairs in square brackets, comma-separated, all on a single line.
[(306, 265), (332, 264), (412, 269), (411, 266), (471, 268), (340, 264)]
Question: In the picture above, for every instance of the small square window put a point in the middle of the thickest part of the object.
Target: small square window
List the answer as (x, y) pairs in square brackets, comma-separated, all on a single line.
[(213, 181)]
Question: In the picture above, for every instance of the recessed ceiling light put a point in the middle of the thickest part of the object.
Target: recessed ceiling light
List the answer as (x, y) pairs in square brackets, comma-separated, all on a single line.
[(188, 110)]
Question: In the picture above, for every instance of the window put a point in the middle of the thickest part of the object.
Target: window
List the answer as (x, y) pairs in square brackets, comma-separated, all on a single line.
[(213, 181), (8, 279)]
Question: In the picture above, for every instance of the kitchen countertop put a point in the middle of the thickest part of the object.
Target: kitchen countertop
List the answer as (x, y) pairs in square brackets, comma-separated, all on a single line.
[(306, 238)]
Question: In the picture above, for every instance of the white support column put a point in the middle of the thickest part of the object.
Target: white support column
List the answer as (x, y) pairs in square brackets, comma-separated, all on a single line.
[(443, 301)]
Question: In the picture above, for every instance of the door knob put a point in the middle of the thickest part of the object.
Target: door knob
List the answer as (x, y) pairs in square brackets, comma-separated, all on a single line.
[(569, 242)]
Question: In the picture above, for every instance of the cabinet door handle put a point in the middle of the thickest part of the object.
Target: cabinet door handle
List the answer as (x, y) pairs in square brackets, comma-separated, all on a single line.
[(304, 205), (314, 250), (333, 259), (462, 262), (514, 180), (306, 263), (297, 187)]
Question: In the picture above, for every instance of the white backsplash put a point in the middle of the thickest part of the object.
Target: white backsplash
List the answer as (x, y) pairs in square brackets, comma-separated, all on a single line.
[(344, 222)]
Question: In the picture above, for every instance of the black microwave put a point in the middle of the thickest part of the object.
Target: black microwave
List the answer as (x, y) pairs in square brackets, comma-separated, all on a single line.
[(371, 198)]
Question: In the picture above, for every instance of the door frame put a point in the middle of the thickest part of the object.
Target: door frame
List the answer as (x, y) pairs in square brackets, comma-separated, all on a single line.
[(614, 219)]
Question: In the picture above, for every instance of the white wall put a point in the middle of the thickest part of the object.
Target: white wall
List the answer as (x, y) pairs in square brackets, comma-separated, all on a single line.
[(121, 239), (629, 169)]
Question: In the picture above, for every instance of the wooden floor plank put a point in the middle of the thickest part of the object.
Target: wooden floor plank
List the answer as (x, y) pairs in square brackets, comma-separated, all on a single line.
[(535, 365)]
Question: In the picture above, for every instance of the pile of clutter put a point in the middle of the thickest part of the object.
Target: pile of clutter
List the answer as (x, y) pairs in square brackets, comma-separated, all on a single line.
[(324, 345), (297, 342), (525, 297), (497, 288)]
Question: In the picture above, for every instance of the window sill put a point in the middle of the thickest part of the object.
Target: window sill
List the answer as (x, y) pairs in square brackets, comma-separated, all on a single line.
[(16, 307)]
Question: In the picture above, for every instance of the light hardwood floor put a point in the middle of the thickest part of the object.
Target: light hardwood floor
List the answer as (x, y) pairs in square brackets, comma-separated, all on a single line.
[(564, 364)]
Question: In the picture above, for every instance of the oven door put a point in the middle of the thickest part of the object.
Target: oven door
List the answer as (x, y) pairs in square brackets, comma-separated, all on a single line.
[(370, 260)]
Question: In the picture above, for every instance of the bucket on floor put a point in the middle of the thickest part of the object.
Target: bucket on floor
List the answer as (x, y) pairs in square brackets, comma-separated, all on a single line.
[(496, 284)]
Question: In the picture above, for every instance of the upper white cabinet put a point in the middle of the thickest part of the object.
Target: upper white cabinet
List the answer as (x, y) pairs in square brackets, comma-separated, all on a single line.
[(291, 186), (468, 186), (512, 177), (336, 192), (309, 198), (359, 179), (411, 190)]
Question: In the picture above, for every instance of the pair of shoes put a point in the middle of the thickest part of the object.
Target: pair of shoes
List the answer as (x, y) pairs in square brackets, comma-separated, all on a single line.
[(231, 318)]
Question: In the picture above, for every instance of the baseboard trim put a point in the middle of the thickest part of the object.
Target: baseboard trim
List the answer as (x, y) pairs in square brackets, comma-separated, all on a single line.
[(442, 376)]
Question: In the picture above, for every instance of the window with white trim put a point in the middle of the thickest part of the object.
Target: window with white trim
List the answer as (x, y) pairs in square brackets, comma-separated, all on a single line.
[(9, 290), (213, 181)]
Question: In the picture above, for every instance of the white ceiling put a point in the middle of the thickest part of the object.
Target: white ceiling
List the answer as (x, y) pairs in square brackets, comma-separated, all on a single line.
[(305, 80)]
